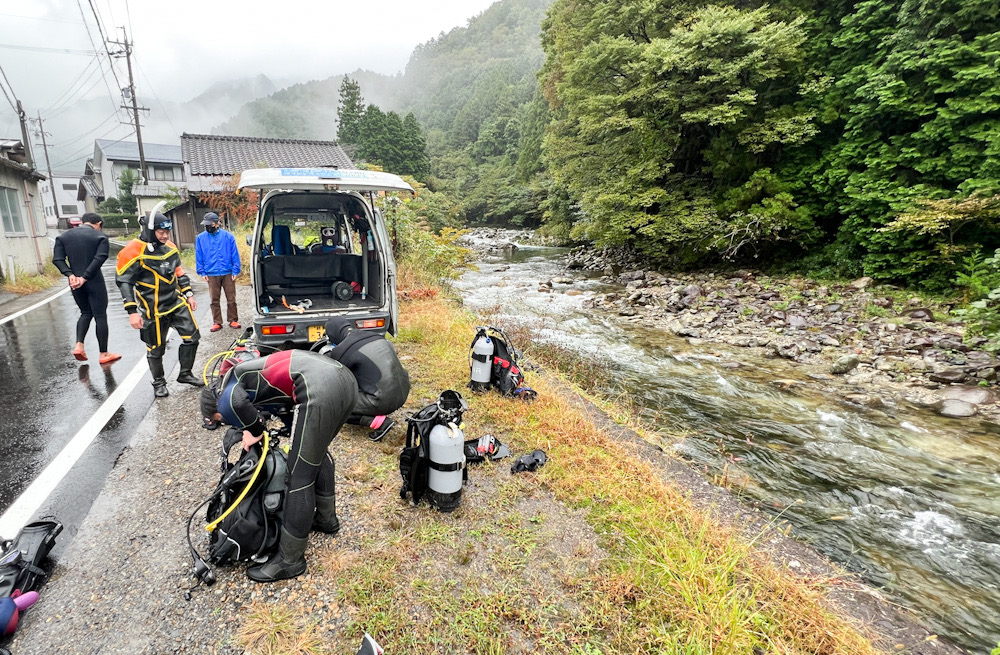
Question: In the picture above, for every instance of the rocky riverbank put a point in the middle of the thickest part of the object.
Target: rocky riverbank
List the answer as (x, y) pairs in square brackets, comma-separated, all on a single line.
[(873, 345)]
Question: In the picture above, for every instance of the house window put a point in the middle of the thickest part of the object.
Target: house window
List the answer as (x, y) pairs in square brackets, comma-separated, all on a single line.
[(10, 211), (67, 209), (163, 173), (69, 187)]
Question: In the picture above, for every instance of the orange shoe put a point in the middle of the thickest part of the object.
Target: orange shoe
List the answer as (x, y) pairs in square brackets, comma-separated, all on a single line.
[(216, 328), (79, 354), (107, 358), (235, 325)]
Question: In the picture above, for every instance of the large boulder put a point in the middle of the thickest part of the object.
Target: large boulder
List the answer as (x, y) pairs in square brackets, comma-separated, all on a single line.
[(845, 364)]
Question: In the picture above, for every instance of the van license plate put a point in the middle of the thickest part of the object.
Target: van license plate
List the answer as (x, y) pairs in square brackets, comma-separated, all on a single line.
[(316, 332)]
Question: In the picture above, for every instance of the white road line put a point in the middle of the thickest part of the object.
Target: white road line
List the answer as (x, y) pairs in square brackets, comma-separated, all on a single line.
[(35, 306), (19, 513)]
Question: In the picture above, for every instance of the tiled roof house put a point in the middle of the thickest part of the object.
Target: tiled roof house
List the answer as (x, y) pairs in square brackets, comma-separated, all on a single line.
[(24, 244), (209, 159)]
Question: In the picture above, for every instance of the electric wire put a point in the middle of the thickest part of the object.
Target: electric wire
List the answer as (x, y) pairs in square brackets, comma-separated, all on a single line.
[(76, 155), (85, 134), (80, 80), (48, 20), (90, 36), (159, 102), (69, 106), (38, 48)]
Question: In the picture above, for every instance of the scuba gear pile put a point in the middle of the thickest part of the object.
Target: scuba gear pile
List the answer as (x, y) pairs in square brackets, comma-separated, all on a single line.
[(23, 556), (433, 459), (493, 363), (245, 510)]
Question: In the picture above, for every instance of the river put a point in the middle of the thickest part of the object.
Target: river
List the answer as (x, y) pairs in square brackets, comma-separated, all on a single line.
[(907, 499)]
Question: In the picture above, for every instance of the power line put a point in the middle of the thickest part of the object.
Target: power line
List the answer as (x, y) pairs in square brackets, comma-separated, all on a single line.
[(87, 133), (48, 20), (81, 79), (70, 105), (63, 51), (12, 106), (110, 63), (160, 102), (84, 149)]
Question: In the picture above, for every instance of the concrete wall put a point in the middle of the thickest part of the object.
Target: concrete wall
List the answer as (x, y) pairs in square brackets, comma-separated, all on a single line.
[(29, 250)]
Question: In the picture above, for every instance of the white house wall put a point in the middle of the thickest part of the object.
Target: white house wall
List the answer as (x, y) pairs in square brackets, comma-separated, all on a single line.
[(28, 251)]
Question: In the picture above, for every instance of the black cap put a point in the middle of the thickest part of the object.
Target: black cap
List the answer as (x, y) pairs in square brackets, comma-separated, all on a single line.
[(211, 218)]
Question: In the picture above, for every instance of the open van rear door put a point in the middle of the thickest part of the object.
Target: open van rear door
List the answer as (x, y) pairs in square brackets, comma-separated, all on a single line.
[(390, 273), (321, 179)]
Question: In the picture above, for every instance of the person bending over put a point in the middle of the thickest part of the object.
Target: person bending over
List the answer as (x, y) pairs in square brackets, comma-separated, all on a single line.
[(157, 296), (321, 393), (383, 383)]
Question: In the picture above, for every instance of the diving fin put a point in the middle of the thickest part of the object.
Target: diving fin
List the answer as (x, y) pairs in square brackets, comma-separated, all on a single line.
[(25, 572)]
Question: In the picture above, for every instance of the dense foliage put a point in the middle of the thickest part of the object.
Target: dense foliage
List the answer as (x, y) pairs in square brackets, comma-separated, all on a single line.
[(843, 137)]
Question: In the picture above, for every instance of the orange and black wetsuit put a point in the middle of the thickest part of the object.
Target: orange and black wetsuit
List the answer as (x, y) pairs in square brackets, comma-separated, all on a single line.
[(153, 284)]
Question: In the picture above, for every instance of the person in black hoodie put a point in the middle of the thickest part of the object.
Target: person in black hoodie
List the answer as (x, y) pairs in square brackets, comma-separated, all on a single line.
[(79, 254), (383, 383)]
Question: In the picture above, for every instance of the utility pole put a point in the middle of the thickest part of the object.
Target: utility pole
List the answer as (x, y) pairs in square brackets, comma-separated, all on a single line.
[(24, 136), (127, 45), (48, 167)]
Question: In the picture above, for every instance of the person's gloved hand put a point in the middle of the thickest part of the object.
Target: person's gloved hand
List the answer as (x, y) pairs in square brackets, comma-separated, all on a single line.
[(529, 462)]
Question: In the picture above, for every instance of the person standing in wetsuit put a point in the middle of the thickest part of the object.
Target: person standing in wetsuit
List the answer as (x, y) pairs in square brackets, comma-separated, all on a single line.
[(157, 296), (383, 383), (79, 254), (321, 393)]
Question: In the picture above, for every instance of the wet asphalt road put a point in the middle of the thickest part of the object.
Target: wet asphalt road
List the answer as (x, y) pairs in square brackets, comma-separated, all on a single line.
[(46, 396)]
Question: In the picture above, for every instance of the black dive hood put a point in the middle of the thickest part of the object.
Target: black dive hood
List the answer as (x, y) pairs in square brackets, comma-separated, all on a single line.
[(151, 222)]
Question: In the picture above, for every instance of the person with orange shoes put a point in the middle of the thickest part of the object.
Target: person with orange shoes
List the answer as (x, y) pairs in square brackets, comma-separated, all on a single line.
[(79, 254), (217, 260)]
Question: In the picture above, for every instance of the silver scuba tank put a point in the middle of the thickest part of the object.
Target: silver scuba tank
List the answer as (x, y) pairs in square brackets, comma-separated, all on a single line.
[(446, 466), (482, 361)]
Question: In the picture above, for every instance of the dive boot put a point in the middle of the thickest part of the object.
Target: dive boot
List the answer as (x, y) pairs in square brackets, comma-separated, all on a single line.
[(185, 356), (289, 562), (159, 383), (187, 377), (325, 520)]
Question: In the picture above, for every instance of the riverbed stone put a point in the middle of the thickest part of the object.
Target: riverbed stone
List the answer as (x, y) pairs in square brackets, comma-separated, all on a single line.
[(845, 364), (954, 408), (948, 375), (969, 394), (862, 283)]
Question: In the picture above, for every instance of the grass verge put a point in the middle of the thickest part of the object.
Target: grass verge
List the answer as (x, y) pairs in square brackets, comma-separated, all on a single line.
[(26, 284), (593, 553)]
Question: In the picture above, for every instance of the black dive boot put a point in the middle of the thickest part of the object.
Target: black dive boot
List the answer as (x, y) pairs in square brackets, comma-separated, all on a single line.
[(159, 382), (288, 562), (325, 520), (185, 355)]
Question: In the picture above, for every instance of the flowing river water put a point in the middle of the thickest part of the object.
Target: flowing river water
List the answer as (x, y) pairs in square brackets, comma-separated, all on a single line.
[(906, 498)]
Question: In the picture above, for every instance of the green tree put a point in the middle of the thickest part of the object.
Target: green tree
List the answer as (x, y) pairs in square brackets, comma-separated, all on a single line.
[(667, 124), (350, 111), (126, 199)]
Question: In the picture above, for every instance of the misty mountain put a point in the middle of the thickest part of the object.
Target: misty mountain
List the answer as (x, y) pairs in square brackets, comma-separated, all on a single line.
[(71, 130), (454, 83)]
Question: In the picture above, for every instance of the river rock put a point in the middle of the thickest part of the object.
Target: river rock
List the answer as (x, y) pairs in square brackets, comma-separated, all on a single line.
[(921, 314), (832, 307), (862, 283), (954, 408), (948, 375), (573, 292), (845, 364), (971, 395)]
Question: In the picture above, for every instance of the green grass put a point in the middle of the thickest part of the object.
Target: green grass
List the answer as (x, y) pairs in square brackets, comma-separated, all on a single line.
[(25, 283)]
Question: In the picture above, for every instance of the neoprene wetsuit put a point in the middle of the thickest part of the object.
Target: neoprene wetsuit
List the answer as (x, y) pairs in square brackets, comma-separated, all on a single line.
[(322, 394), (383, 383), (81, 251)]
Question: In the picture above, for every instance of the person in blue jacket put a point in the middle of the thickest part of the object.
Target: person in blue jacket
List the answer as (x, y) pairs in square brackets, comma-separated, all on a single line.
[(217, 260)]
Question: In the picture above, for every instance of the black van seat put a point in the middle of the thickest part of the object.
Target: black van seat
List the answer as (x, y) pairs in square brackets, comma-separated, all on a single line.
[(310, 271)]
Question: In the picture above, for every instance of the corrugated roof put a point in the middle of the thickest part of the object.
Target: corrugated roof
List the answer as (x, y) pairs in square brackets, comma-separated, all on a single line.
[(26, 173), (226, 155), (89, 186), (129, 151)]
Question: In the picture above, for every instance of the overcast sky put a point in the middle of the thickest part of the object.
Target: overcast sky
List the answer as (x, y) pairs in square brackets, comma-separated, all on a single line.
[(182, 46)]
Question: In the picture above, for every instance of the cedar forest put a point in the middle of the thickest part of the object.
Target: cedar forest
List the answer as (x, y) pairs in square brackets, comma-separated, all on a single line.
[(833, 139)]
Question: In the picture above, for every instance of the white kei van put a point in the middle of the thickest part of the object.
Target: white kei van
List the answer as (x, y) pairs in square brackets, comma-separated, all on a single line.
[(320, 248)]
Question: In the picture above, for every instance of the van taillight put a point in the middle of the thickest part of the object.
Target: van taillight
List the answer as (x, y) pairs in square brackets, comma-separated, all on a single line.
[(370, 323), (277, 329)]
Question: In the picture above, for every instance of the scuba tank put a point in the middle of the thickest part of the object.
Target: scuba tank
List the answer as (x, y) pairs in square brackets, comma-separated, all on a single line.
[(481, 361), (447, 461)]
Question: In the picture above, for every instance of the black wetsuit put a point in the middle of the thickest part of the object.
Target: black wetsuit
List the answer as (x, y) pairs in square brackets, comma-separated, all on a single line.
[(383, 383), (322, 393), (81, 251)]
